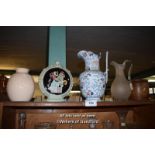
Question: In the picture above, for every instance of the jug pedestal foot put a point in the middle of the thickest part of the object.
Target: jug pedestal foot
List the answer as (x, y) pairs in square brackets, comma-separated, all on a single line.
[(93, 99)]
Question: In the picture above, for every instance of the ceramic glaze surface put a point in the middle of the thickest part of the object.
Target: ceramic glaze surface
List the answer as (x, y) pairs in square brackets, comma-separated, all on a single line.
[(92, 81), (20, 86), (120, 88), (140, 90), (92, 84)]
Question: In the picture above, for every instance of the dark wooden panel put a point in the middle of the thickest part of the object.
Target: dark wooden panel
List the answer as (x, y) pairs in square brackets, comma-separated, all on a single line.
[(145, 117), (23, 46), (9, 118), (35, 117), (1, 112), (131, 114)]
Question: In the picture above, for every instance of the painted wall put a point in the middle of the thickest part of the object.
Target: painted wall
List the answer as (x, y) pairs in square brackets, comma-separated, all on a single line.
[(57, 45)]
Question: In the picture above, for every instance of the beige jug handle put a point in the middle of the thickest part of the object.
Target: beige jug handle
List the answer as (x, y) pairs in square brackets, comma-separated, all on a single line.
[(129, 72)]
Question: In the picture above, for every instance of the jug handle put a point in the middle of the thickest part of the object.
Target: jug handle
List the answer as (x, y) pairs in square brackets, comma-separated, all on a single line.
[(100, 55), (129, 72), (107, 53)]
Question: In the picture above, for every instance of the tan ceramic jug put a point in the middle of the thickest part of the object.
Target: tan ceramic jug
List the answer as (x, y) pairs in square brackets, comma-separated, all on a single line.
[(140, 90), (120, 88)]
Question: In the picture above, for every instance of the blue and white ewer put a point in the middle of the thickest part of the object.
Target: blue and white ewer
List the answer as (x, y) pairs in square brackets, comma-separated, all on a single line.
[(92, 80)]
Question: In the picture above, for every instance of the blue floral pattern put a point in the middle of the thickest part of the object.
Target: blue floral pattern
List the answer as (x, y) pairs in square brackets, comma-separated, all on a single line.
[(92, 84), (92, 81)]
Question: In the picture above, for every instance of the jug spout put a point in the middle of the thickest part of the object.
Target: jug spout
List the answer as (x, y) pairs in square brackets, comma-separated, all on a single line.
[(120, 67), (91, 59), (113, 63), (82, 54)]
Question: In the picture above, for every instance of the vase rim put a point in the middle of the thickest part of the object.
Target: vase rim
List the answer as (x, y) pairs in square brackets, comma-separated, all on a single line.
[(140, 80), (22, 70)]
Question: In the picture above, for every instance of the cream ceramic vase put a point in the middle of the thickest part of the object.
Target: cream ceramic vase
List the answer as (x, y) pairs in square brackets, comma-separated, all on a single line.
[(20, 86)]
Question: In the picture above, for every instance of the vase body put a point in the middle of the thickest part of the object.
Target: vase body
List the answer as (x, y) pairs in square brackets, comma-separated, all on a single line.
[(92, 80), (92, 84), (140, 90), (20, 86), (120, 87)]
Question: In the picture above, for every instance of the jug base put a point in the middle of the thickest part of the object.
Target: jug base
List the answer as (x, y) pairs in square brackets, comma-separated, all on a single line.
[(93, 99)]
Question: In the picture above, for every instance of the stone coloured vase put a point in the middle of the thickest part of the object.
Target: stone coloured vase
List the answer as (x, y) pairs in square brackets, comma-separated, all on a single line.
[(92, 80), (20, 86), (120, 87)]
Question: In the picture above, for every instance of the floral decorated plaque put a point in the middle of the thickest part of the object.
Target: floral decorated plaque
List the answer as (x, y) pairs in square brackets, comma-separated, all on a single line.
[(55, 82)]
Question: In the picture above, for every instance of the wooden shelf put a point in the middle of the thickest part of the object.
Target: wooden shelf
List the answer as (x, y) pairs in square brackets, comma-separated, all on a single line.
[(29, 114), (77, 104)]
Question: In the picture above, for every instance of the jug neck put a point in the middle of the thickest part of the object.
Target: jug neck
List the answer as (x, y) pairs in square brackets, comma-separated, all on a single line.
[(119, 72), (92, 65)]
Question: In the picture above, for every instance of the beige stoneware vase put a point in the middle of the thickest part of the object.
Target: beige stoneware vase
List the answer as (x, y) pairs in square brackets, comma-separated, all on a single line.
[(20, 86)]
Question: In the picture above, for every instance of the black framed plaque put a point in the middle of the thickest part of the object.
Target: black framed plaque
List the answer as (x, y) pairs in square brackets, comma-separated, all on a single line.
[(55, 82)]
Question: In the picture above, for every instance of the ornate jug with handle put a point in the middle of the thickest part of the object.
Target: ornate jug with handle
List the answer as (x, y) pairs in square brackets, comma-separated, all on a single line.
[(92, 80), (121, 87)]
